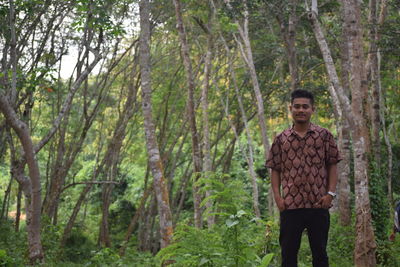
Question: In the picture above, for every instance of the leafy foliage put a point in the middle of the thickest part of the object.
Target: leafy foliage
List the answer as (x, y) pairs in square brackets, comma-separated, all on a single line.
[(238, 239)]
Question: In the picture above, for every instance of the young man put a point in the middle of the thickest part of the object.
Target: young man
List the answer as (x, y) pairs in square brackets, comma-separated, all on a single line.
[(304, 161)]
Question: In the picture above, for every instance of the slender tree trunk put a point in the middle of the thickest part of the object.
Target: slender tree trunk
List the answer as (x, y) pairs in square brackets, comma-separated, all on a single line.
[(104, 235), (156, 166), (249, 153), (57, 175), (207, 163), (196, 152), (291, 45), (72, 218), (18, 213), (375, 20), (372, 65), (134, 220), (289, 37), (180, 198), (246, 51), (6, 200), (146, 226), (387, 143)]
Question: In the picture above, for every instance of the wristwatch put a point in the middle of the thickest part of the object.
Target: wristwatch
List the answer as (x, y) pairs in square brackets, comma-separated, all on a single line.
[(333, 194)]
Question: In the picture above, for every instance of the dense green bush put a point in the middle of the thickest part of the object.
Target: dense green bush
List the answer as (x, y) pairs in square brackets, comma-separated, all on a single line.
[(5, 260), (12, 244), (340, 243), (78, 247), (237, 239)]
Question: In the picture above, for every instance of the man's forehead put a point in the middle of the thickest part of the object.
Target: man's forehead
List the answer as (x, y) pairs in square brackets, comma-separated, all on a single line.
[(301, 101)]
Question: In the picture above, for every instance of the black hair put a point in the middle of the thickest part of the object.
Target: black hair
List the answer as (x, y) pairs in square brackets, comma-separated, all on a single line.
[(300, 93)]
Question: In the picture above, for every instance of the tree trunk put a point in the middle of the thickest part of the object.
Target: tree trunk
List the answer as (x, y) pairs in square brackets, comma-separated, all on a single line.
[(289, 37), (344, 142), (375, 20), (104, 233), (156, 166), (207, 163), (146, 226), (34, 207), (18, 213), (365, 239), (6, 200), (196, 152), (247, 54), (344, 174), (249, 151), (134, 220)]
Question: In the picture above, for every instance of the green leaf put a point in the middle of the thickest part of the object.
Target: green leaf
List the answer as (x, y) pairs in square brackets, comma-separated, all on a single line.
[(230, 223), (266, 260), (240, 213), (203, 261)]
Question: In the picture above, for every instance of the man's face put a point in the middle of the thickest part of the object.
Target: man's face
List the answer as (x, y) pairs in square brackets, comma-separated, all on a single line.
[(302, 110)]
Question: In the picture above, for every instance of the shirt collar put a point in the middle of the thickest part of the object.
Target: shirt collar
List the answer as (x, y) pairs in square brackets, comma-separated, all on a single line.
[(311, 129)]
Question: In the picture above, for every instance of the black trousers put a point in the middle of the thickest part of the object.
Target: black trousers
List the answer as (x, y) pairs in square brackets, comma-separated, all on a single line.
[(293, 223)]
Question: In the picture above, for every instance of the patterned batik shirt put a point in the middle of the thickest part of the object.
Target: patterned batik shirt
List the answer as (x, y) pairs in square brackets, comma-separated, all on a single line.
[(302, 163)]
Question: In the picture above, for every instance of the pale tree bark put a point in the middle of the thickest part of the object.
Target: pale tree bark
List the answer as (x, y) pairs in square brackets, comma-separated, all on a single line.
[(196, 151), (344, 138), (34, 189), (365, 240), (32, 184), (156, 166), (247, 54), (207, 163), (344, 172), (375, 20), (288, 33), (248, 153), (388, 144), (104, 233)]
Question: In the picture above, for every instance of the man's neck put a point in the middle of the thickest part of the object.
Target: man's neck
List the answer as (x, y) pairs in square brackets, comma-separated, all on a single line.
[(301, 128)]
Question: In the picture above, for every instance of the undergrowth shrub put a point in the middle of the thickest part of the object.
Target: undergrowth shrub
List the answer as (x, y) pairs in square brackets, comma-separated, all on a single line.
[(340, 243), (237, 238), (134, 258), (104, 257), (78, 247), (12, 244), (5, 260)]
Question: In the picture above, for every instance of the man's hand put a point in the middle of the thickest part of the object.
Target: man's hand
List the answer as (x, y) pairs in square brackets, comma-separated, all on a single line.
[(280, 203), (325, 202)]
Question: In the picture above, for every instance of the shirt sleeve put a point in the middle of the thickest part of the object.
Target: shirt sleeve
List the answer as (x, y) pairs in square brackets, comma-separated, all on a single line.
[(274, 157), (332, 151)]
